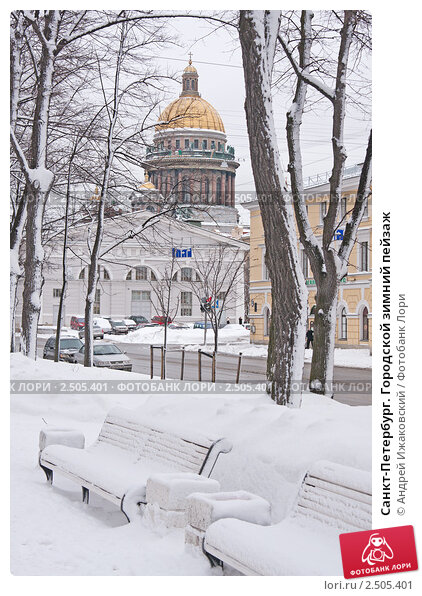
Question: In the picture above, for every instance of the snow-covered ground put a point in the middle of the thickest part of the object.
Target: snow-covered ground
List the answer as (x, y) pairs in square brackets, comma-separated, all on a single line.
[(353, 358), (155, 335), (53, 533)]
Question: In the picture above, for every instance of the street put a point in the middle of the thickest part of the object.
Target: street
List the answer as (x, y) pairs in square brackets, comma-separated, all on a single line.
[(252, 369)]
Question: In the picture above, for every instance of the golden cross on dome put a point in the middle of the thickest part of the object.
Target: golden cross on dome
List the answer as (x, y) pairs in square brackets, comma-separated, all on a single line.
[(190, 57)]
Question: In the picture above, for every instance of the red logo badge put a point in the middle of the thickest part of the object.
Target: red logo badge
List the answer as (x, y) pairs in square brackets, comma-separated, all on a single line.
[(375, 552)]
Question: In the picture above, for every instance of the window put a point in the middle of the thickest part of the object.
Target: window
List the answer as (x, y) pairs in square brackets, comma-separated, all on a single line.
[(97, 302), (186, 274), (186, 304), (56, 292), (305, 262), (207, 188), (204, 145), (177, 143), (186, 143), (323, 211), (219, 146), (343, 207), (265, 273), (187, 83), (141, 273), (343, 324), (365, 211), (140, 295), (267, 321), (364, 264), (102, 272), (218, 191), (365, 325), (196, 144), (82, 273)]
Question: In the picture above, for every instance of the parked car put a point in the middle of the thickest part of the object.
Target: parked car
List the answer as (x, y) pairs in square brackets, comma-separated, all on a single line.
[(178, 326), (118, 327), (69, 345), (138, 319), (201, 325), (77, 323), (247, 326), (142, 325), (161, 320), (130, 324), (103, 323), (106, 355), (97, 332)]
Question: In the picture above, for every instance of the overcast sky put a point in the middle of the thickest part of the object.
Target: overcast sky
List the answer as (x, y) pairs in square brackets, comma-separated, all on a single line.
[(219, 62)]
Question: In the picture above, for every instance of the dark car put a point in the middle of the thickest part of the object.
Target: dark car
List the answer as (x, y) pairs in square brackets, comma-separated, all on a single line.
[(69, 345), (97, 332), (77, 323), (161, 320), (118, 327), (138, 319)]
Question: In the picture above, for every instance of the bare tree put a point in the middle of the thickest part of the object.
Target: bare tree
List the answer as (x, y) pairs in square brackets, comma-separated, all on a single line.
[(163, 291), (258, 31), (219, 276), (328, 263)]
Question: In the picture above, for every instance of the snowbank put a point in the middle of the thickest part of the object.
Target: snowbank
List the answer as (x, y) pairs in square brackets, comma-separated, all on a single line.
[(53, 533), (155, 335), (353, 358)]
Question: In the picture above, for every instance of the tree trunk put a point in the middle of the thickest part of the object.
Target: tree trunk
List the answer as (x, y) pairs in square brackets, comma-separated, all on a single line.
[(322, 368), (64, 268), (33, 273), (258, 35), (15, 268)]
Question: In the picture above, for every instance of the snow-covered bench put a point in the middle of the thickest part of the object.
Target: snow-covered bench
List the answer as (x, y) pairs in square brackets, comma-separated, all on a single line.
[(129, 449), (333, 499)]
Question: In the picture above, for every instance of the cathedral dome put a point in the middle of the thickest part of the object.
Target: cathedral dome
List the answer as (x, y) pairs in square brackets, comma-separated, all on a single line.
[(190, 112)]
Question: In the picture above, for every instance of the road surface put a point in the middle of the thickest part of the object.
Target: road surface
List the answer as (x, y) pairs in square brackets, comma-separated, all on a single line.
[(252, 369)]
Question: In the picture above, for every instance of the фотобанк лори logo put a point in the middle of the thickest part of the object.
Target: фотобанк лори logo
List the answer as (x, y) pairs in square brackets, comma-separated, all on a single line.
[(377, 552)]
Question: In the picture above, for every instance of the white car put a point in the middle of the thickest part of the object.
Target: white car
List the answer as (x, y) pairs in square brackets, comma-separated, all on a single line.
[(131, 325), (106, 355)]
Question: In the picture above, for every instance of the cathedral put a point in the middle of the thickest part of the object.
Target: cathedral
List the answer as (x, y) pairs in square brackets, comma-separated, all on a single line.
[(190, 162)]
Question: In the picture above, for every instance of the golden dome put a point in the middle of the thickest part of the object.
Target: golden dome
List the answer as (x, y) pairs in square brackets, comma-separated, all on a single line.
[(190, 112), (190, 68), (147, 185)]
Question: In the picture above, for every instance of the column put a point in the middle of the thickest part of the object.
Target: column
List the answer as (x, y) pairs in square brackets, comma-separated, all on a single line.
[(223, 188), (214, 188)]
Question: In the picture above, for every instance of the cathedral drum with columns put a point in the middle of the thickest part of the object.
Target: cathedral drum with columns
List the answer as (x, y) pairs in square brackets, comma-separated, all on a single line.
[(190, 160)]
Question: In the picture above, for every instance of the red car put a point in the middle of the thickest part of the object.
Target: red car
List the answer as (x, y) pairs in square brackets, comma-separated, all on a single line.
[(77, 323), (160, 320)]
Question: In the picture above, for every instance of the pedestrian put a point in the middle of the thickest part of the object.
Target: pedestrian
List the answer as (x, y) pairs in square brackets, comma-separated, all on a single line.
[(228, 322), (309, 338), (240, 320)]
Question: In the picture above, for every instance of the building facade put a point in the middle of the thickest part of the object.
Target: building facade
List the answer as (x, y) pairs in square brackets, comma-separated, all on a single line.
[(135, 271), (190, 161), (354, 308)]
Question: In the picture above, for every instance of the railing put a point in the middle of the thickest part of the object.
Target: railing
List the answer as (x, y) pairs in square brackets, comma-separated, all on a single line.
[(324, 177), (212, 355), (211, 154)]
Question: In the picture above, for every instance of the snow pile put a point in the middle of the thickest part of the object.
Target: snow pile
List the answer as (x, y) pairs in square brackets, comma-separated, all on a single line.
[(103, 323), (155, 335), (273, 446)]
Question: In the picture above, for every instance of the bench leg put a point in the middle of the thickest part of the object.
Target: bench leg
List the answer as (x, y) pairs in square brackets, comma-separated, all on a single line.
[(214, 562), (48, 473), (85, 495)]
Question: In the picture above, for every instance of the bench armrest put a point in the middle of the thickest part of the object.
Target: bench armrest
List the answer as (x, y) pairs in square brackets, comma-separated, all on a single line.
[(220, 446)]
